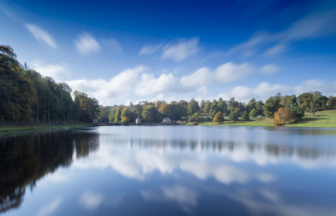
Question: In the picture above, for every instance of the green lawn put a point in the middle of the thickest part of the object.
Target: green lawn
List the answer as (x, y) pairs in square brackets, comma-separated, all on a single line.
[(326, 118)]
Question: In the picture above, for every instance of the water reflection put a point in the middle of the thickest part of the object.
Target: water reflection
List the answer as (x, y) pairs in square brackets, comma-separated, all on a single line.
[(176, 170), (26, 159)]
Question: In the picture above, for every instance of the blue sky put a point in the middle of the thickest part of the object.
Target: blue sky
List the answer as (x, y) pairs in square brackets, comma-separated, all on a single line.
[(122, 51)]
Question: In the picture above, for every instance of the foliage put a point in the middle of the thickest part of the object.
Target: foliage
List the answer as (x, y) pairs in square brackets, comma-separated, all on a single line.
[(194, 118), (245, 117), (25, 95), (332, 102), (233, 116), (192, 107), (165, 109), (254, 113), (183, 107), (284, 115), (271, 106), (117, 116), (312, 101), (218, 117), (126, 114), (112, 115)]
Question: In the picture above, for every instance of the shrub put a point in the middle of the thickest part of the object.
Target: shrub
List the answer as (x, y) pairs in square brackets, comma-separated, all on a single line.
[(218, 117), (284, 115)]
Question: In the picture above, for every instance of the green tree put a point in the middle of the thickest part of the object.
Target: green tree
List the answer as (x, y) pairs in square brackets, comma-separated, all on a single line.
[(332, 102), (214, 108), (254, 113), (112, 115), (207, 107), (272, 105), (192, 107), (194, 118), (233, 116), (183, 107), (259, 107), (245, 117), (251, 105), (126, 114), (312, 101), (222, 106), (117, 116)]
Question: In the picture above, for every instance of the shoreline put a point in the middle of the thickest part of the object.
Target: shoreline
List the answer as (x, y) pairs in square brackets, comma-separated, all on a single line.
[(7, 131)]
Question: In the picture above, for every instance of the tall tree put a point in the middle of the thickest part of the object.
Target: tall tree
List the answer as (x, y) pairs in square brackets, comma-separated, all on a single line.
[(271, 106), (312, 101), (192, 107)]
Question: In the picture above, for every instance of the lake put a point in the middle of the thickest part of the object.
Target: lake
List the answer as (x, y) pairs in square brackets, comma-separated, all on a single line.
[(170, 170)]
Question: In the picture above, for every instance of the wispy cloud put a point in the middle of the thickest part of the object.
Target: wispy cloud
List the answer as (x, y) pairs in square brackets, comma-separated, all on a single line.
[(112, 44), (90, 200), (269, 69), (87, 44), (149, 49), (50, 208), (182, 50), (177, 51), (313, 26), (41, 35)]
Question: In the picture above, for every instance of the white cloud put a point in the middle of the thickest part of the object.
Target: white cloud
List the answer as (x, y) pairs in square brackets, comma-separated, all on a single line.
[(313, 26), (87, 44), (50, 208), (264, 90), (269, 69), (182, 50), (57, 71), (136, 81), (261, 92), (183, 196), (274, 50), (149, 49), (41, 35), (179, 51), (91, 201), (112, 44), (105, 91)]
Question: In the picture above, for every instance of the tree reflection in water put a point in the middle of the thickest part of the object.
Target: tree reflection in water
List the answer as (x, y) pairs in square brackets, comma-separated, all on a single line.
[(25, 159)]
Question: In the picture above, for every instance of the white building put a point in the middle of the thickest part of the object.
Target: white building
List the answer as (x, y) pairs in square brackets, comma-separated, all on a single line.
[(166, 120), (138, 121)]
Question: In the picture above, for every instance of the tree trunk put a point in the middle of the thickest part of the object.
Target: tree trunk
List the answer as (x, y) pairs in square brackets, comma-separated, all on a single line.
[(312, 109)]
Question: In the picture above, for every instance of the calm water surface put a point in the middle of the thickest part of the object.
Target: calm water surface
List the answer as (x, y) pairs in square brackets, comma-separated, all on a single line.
[(177, 170)]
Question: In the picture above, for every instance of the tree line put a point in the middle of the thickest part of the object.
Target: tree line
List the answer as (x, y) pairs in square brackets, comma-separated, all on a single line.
[(216, 110), (27, 96)]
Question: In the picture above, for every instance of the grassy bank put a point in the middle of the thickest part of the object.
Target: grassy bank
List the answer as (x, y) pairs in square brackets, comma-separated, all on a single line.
[(326, 118), (6, 130)]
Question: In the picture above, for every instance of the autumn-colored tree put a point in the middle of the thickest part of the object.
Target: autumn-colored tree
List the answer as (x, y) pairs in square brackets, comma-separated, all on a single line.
[(165, 109), (218, 117), (283, 115), (126, 115), (117, 116)]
